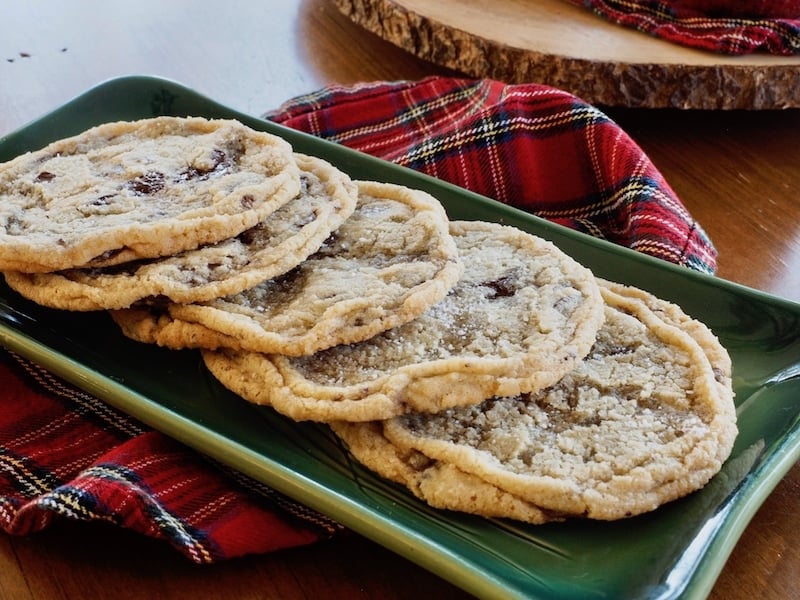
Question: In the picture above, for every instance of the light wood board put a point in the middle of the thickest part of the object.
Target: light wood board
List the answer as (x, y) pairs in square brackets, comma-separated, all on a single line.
[(560, 44)]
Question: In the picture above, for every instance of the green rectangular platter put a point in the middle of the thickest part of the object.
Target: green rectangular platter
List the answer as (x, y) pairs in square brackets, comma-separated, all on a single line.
[(676, 551)]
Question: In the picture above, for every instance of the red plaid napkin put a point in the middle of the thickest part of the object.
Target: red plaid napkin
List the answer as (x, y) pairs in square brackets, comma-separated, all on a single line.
[(66, 454), (722, 26), (530, 146)]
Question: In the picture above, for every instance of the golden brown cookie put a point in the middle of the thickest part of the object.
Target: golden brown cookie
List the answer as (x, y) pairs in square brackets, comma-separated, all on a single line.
[(140, 189), (646, 418), (274, 246), (387, 263), (440, 485), (522, 315)]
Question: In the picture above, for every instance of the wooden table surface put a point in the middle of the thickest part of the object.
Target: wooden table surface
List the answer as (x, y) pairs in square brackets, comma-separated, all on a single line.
[(737, 172)]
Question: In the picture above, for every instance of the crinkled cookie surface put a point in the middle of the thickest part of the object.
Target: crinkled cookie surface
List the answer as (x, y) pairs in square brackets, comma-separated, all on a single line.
[(140, 189), (646, 418), (522, 315), (272, 247), (390, 260)]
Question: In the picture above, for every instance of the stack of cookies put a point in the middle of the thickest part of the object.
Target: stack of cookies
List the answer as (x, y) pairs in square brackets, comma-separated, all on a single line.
[(473, 363)]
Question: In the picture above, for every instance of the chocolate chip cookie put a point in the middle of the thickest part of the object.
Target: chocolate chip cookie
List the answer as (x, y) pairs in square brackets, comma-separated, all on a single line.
[(140, 189), (522, 315), (647, 417), (386, 264), (274, 246)]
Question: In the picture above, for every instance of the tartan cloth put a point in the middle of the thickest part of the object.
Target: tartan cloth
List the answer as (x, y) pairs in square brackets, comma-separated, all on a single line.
[(531, 146), (721, 26), (65, 454)]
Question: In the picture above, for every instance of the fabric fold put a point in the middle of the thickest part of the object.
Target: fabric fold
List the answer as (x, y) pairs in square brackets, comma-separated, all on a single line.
[(720, 26), (64, 453), (530, 146)]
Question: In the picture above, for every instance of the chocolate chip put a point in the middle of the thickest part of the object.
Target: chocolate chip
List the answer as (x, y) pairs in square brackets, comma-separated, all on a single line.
[(287, 282), (44, 176), (149, 183), (304, 183), (501, 288), (102, 200), (159, 304), (248, 236), (219, 162)]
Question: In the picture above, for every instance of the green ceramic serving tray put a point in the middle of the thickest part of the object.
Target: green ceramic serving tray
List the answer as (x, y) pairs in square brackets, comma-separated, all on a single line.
[(675, 551)]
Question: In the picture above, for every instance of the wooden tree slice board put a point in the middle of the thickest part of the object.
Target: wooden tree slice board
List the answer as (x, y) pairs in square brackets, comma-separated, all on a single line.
[(566, 46)]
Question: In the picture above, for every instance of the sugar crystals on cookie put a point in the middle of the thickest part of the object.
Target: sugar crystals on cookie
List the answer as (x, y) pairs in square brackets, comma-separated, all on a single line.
[(139, 189)]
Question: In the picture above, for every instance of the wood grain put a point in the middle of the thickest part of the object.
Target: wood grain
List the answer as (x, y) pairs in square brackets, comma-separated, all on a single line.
[(738, 172), (560, 44)]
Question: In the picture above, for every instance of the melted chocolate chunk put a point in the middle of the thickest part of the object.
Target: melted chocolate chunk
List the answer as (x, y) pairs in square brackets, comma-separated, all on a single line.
[(101, 200), (219, 162), (159, 304), (501, 288), (149, 183), (288, 280), (44, 176), (304, 183), (249, 236)]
